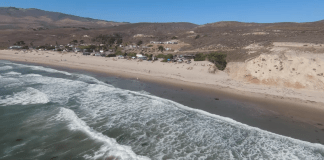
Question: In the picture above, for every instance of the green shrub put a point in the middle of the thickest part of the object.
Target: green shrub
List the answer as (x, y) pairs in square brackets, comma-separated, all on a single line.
[(131, 54), (200, 57), (219, 59), (111, 55), (169, 56), (25, 47), (160, 56), (119, 53)]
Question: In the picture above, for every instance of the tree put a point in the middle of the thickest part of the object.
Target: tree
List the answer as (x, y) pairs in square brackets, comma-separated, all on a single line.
[(161, 48), (19, 43), (198, 36), (169, 56), (200, 57), (119, 41), (219, 59), (119, 53), (140, 42), (174, 37), (81, 41), (74, 41), (112, 40)]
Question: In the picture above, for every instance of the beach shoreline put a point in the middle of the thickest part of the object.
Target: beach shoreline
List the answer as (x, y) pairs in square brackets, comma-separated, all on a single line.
[(306, 111)]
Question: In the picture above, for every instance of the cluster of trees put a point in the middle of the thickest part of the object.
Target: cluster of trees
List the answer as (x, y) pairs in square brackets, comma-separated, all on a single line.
[(19, 43), (200, 57), (108, 39), (219, 59), (166, 57)]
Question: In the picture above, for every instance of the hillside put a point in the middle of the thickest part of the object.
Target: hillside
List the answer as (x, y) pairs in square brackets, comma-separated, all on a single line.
[(234, 38), (18, 18)]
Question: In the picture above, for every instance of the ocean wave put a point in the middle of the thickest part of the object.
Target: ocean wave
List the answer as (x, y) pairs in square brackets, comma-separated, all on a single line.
[(40, 68), (152, 126), (166, 129), (29, 96), (3, 68), (12, 73), (110, 146)]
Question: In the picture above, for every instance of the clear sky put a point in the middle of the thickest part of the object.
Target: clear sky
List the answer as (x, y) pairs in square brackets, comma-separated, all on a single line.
[(194, 11)]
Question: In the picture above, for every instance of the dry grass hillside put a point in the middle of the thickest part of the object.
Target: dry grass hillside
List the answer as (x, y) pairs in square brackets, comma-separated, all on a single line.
[(36, 19), (241, 41)]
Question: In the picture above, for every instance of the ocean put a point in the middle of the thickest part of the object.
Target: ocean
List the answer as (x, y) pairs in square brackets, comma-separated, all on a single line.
[(51, 114)]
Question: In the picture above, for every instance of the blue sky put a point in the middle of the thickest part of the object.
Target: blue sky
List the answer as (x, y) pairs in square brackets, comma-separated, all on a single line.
[(198, 11)]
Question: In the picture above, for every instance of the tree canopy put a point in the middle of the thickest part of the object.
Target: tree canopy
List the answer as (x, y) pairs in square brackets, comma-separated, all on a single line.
[(140, 42), (161, 48), (219, 59)]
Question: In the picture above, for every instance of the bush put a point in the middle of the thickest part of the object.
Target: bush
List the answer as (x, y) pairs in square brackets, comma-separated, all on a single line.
[(161, 48), (169, 56), (219, 59), (111, 55), (166, 57), (25, 47), (160, 56), (200, 57), (131, 54), (198, 36), (119, 53), (140, 42), (174, 37)]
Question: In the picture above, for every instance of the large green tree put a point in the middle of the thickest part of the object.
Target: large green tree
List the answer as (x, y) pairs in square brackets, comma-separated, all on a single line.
[(219, 59), (140, 42), (161, 48)]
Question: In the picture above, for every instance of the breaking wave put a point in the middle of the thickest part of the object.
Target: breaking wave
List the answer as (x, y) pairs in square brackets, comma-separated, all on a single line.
[(3, 68), (29, 96), (109, 148), (138, 125)]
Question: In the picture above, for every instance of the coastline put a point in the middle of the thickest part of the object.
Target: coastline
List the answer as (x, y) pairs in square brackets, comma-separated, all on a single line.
[(301, 110)]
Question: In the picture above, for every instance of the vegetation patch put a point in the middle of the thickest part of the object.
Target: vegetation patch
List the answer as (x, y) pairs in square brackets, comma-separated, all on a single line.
[(219, 59), (200, 57)]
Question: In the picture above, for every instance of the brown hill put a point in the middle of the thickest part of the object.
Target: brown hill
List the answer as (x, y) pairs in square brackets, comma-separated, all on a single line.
[(234, 38), (18, 18)]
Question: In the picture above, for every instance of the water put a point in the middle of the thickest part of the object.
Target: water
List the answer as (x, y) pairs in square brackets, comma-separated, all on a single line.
[(46, 113)]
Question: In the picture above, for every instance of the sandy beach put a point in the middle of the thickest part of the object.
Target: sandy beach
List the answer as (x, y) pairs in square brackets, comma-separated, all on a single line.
[(305, 105)]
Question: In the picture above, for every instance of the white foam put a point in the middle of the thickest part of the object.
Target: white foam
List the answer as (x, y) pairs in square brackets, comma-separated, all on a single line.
[(40, 68), (3, 68), (29, 96), (12, 73), (33, 75), (187, 126), (187, 133), (110, 147)]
